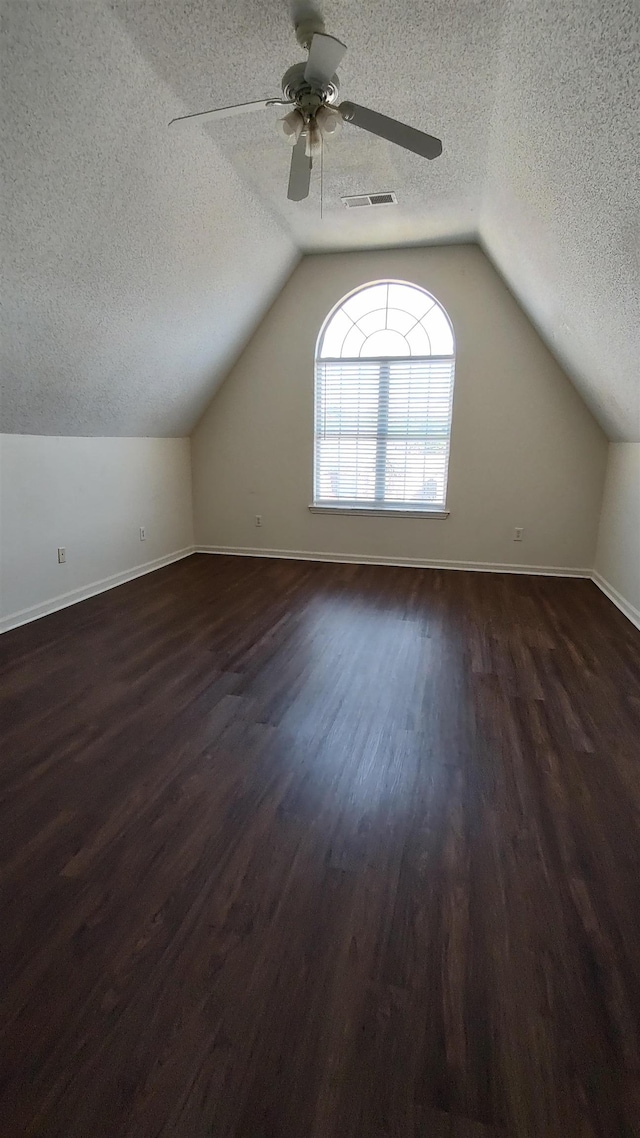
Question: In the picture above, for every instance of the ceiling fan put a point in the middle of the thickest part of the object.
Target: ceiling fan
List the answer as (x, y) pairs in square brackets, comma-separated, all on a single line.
[(311, 89)]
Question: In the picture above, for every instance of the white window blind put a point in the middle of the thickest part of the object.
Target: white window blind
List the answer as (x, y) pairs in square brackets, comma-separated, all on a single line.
[(382, 430)]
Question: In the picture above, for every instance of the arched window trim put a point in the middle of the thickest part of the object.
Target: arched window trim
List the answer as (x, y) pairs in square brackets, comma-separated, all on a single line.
[(383, 421), (341, 304)]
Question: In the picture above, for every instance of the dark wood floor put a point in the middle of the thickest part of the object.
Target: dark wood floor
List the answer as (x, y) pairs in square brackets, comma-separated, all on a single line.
[(317, 851)]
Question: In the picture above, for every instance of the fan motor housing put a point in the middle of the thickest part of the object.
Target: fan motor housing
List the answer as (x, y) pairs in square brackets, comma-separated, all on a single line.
[(296, 88)]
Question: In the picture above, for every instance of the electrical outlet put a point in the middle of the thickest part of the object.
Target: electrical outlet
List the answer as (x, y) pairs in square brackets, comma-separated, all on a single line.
[(62, 555), (518, 533), (258, 519), (143, 534)]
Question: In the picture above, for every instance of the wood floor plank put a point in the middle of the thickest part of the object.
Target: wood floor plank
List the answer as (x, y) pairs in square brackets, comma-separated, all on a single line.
[(335, 851)]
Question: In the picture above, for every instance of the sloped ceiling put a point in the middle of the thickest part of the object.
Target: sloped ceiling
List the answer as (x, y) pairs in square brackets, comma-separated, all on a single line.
[(140, 259), (137, 262), (561, 216)]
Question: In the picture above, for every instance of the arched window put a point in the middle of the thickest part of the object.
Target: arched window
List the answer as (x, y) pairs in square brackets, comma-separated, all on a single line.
[(383, 396)]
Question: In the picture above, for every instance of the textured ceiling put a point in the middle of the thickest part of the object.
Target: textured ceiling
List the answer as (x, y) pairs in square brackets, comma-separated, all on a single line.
[(136, 261), (139, 259), (561, 218), (431, 64)]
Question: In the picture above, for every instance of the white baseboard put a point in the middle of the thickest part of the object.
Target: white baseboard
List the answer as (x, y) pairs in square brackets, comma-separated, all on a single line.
[(625, 606), (408, 562), (34, 612)]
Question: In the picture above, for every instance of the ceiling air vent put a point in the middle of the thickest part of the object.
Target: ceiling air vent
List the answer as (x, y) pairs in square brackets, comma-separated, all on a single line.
[(356, 200)]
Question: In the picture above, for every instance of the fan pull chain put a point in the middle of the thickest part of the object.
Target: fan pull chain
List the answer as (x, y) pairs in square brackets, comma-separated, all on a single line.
[(321, 171)]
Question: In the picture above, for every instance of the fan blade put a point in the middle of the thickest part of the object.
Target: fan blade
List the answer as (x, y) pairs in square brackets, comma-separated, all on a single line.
[(325, 54), (238, 109), (407, 136), (300, 172)]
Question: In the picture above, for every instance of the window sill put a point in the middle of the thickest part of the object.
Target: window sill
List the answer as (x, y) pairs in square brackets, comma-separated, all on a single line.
[(372, 512)]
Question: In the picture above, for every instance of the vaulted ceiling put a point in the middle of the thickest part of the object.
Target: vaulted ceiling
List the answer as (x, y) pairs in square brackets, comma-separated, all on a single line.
[(138, 260)]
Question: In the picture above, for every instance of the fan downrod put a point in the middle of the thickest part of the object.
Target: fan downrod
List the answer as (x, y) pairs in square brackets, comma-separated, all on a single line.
[(307, 28)]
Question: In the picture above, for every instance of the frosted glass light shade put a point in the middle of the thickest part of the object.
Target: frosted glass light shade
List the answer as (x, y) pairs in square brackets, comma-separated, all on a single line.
[(292, 125), (328, 119)]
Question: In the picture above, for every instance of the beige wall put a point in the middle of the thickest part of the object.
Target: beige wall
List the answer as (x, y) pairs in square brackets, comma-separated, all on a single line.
[(525, 450), (618, 554), (90, 495)]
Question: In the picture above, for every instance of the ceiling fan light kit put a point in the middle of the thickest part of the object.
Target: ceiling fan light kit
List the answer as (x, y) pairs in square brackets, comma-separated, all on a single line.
[(311, 89)]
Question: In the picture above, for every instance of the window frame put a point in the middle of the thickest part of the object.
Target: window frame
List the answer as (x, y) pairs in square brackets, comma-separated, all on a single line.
[(375, 507)]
